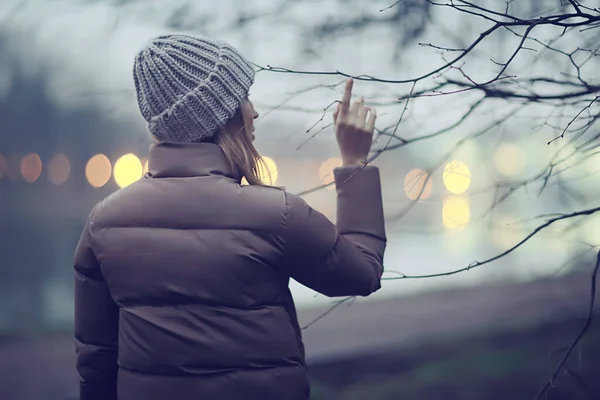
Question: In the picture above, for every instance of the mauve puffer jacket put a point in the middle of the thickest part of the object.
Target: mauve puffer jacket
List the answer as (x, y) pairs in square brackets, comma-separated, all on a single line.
[(181, 286)]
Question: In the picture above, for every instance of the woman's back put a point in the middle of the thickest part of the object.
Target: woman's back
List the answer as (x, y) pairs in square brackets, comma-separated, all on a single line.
[(182, 278), (190, 257)]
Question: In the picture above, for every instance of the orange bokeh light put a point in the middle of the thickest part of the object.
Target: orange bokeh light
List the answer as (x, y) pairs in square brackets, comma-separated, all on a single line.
[(31, 167), (59, 169), (418, 185), (98, 170)]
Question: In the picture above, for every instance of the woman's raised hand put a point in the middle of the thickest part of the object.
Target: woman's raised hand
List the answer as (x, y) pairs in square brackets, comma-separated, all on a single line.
[(354, 126)]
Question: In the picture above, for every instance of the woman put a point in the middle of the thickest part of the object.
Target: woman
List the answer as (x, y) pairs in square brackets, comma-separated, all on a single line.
[(182, 277)]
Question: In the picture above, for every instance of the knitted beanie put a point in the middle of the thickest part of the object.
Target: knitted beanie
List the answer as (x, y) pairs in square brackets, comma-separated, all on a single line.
[(189, 87)]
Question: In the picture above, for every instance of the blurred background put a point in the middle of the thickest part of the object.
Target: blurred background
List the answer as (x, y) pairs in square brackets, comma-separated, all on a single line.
[(486, 143)]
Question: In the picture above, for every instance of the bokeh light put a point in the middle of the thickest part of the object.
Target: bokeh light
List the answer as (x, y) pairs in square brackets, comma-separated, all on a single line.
[(418, 185), (31, 167), (510, 159), (98, 170), (128, 169), (267, 171), (268, 175), (456, 212), (59, 169), (3, 166), (326, 171), (456, 177)]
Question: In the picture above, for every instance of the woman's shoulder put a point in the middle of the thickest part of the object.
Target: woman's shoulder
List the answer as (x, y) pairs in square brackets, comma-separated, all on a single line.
[(223, 204), (263, 197)]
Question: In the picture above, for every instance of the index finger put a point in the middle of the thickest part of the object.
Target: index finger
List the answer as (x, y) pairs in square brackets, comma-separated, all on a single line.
[(345, 107)]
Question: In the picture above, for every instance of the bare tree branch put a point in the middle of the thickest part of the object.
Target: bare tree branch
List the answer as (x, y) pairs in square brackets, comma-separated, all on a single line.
[(586, 325)]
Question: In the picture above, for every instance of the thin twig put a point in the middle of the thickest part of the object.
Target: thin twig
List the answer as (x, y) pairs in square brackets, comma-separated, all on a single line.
[(328, 311), (506, 252)]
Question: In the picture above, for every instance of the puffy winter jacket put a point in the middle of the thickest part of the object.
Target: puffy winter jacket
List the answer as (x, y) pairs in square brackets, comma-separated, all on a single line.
[(181, 288)]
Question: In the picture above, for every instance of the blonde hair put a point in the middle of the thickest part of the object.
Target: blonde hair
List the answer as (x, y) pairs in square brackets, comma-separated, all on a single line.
[(240, 152)]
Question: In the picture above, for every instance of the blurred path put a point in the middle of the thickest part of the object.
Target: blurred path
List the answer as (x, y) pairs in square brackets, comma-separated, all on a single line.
[(44, 369)]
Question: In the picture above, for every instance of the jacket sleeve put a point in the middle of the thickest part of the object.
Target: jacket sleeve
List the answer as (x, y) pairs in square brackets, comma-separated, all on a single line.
[(342, 260), (96, 325)]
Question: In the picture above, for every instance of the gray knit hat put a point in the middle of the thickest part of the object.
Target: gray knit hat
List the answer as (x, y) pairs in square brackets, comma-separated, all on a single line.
[(189, 87)]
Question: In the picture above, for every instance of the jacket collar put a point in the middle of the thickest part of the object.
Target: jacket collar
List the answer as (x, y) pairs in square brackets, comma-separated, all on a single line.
[(181, 160)]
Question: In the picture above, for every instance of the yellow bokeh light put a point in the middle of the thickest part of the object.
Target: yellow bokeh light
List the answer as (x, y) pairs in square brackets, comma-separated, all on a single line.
[(59, 169), (509, 159), (128, 169), (267, 171), (31, 167), (418, 185), (326, 171), (268, 175), (456, 212), (456, 177), (98, 170)]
